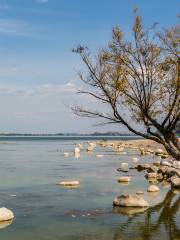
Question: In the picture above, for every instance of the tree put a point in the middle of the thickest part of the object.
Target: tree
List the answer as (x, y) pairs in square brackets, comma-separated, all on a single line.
[(139, 81)]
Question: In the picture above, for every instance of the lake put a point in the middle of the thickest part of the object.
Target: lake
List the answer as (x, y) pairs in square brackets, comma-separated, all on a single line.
[(30, 170)]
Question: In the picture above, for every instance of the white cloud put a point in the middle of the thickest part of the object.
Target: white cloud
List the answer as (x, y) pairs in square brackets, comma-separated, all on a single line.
[(15, 27), (39, 90)]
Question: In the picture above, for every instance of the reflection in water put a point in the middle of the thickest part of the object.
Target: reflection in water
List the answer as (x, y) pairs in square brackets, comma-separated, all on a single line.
[(162, 215), (129, 211), (5, 224)]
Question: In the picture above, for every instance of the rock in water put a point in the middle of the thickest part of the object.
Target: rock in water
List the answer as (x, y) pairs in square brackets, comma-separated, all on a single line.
[(166, 163), (6, 214), (124, 179), (151, 175), (124, 165), (139, 193), (175, 182), (69, 183), (66, 154), (176, 164), (130, 201), (77, 150), (135, 160), (153, 188)]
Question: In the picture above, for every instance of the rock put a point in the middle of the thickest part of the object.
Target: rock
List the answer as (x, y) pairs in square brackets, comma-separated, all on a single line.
[(66, 154), (166, 163), (90, 149), (99, 155), (130, 201), (153, 188), (135, 160), (175, 182), (124, 179), (80, 145), (6, 214), (157, 163), (77, 150), (123, 170), (163, 169), (139, 193), (176, 164), (163, 155), (153, 169), (159, 151), (141, 167), (69, 183), (124, 165), (152, 175)]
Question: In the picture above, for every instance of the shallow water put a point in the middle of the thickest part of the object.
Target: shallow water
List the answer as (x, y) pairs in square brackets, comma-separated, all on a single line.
[(29, 171)]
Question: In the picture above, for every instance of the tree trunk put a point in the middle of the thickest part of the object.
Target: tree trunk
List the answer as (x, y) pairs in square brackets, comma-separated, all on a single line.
[(172, 145)]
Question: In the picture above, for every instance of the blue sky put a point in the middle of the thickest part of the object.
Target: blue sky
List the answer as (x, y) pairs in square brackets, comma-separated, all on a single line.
[(38, 71)]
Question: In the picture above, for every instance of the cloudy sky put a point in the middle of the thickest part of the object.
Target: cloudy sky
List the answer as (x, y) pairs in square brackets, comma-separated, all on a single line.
[(38, 71)]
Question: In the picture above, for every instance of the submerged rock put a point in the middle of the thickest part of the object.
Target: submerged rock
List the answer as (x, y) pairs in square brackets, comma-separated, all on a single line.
[(153, 188), (6, 214), (130, 201), (124, 179)]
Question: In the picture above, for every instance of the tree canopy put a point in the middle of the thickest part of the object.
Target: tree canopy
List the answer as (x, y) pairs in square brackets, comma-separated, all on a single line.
[(138, 79)]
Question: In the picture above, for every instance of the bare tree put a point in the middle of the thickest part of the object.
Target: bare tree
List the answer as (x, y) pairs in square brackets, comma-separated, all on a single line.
[(139, 81)]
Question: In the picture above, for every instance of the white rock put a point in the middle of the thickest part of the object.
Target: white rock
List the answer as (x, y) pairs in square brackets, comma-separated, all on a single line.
[(66, 154), (90, 148), (6, 214), (69, 183), (77, 155), (130, 201), (124, 179), (153, 188), (99, 155), (139, 193), (166, 163), (151, 175), (80, 145), (124, 165), (135, 160), (176, 164), (175, 181), (77, 150), (159, 151)]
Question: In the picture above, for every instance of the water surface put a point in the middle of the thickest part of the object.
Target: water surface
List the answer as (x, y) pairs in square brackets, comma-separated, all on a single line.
[(29, 171)]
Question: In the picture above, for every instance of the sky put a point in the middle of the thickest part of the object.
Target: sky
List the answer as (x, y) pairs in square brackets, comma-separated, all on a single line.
[(38, 71)]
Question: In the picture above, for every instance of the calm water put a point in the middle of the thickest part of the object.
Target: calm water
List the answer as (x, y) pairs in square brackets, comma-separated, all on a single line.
[(29, 171)]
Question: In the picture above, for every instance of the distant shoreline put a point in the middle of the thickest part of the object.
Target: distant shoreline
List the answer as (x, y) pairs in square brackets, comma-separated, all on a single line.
[(60, 138)]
